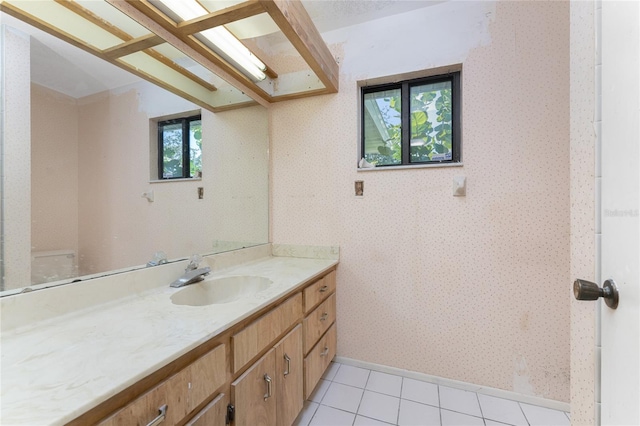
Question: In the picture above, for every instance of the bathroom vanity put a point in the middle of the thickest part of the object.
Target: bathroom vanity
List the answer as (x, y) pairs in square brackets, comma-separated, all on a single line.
[(242, 358)]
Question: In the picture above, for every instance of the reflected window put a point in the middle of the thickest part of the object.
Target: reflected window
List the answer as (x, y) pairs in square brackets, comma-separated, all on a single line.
[(412, 122), (180, 148)]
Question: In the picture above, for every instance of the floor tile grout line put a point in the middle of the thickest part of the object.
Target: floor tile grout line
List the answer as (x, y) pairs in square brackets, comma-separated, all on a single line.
[(373, 418), (523, 413), (400, 401), (465, 414), (439, 405), (314, 414), (364, 389), (480, 407)]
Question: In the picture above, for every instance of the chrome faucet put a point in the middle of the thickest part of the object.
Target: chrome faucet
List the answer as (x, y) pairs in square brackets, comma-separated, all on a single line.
[(192, 274)]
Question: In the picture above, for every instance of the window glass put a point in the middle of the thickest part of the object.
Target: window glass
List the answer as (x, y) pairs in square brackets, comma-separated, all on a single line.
[(411, 122), (195, 147), (172, 152), (382, 127), (431, 125), (180, 148)]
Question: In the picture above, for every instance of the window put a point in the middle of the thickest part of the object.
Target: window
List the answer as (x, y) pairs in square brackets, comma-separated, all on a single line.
[(412, 122), (180, 148)]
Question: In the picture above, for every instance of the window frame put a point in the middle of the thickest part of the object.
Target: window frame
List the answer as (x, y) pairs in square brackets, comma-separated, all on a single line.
[(405, 89), (186, 151)]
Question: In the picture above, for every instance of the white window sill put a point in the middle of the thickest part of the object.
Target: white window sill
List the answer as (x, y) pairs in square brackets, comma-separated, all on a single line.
[(406, 167), (175, 180)]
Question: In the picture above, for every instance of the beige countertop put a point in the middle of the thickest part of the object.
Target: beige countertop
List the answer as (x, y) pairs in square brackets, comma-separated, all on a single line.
[(55, 369)]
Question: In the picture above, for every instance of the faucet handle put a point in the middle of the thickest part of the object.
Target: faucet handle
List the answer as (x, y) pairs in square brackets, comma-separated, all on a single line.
[(194, 261), (159, 258)]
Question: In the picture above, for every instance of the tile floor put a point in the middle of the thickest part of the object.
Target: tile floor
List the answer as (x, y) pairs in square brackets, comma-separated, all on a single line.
[(350, 395)]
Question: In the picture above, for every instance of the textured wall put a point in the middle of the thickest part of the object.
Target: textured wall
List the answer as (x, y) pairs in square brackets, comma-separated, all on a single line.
[(119, 228), (473, 288), (583, 248), (54, 170), (16, 157)]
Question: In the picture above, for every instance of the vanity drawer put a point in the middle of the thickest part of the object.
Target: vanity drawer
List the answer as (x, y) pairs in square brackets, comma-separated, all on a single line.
[(259, 334), (318, 360), (206, 375), (180, 393), (319, 291), (171, 394), (318, 321), (214, 414)]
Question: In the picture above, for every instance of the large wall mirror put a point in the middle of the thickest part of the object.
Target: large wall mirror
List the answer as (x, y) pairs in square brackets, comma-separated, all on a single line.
[(81, 193)]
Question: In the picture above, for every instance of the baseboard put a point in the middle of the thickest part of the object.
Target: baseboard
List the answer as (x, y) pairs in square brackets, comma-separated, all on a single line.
[(485, 390)]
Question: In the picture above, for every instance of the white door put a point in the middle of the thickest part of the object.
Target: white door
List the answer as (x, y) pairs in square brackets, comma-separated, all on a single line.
[(620, 249)]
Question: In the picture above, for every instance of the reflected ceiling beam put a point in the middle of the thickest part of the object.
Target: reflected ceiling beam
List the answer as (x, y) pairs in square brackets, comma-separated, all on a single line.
[(289, 15), (94, 19), (109, 54), (125, 51), (133, 45), (148, 15), (226, 16), (297, 26), (36, 22), (221, 17)]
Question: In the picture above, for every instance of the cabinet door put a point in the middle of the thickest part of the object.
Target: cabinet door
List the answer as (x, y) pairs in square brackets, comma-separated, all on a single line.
[(254, 393), (214, 414), (290, 377)]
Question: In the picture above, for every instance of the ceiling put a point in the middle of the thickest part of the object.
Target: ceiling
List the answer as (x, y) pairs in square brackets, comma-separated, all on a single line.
[(330, 15), (64, 68)]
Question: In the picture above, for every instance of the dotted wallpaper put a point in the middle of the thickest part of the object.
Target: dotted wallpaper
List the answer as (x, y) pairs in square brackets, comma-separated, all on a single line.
[(468, 288), (582, 210), (16, 136)]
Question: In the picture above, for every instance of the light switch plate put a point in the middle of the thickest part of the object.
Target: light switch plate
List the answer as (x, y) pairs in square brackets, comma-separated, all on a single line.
[(459, 186)]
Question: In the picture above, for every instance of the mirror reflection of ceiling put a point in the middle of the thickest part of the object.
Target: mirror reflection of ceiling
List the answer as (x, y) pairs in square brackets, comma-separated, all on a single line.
[(77, 73)]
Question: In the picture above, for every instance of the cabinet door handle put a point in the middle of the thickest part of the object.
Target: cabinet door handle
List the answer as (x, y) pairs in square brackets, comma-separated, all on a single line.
[(325, 352), (162, 413), (288, 360), (323, 288), (268, 380), (324, 316)]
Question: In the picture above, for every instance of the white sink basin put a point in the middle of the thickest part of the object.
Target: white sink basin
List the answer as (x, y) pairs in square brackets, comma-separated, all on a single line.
[(220, 290)]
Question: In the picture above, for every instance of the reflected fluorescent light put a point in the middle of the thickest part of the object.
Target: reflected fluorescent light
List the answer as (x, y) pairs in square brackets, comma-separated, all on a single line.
[(228, 44)]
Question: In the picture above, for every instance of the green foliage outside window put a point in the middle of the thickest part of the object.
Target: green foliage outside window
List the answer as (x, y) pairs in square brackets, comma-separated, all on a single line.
[(429, 118), (173, 148)]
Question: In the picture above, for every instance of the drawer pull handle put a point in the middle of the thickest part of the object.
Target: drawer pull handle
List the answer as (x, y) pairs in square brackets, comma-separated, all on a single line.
[(162, 413), (288, 360), (324, 316), (323, 288), (325, 352), (268, 380)]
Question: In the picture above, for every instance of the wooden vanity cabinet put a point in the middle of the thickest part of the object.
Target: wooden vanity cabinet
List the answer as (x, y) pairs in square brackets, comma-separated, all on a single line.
[(264, 367), (254, 393), (261, 388), (178, 395), (289, 373), (213, 414), (317, 361), (319, 328)]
